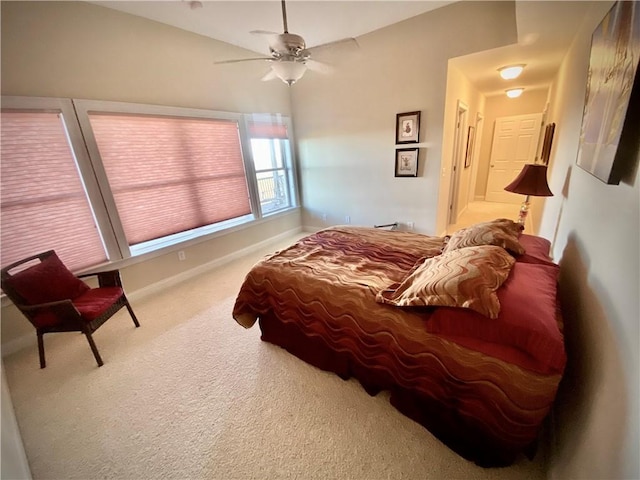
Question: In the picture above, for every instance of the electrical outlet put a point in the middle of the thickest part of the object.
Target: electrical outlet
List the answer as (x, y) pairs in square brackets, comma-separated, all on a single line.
[(410, 225), (181, 255), (324, 217), (347, 219)]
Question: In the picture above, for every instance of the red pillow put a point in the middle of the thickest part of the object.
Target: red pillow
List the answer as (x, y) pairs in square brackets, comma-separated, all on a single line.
[(527, 320), (536, 249), (48, 281)]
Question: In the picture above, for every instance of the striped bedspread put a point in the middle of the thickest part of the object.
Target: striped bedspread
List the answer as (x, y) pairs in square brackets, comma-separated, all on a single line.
[(317, 299)]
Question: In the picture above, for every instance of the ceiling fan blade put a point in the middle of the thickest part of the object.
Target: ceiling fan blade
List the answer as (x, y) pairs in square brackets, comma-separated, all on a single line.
[(349, 43), (243, 60), (271, 75), (319, 67), (262, 32)]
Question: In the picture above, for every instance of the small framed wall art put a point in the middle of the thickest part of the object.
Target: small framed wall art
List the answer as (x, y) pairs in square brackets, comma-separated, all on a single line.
[(546, 144), (406, 162), (407, 127), (469, 153)]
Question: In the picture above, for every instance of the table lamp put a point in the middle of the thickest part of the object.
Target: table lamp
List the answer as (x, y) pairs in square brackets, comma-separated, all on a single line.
[(532, 181)]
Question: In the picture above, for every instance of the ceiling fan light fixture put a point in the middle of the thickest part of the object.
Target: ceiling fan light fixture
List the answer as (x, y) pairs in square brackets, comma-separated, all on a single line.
[(511, 71), (514, 92), (289, 71)]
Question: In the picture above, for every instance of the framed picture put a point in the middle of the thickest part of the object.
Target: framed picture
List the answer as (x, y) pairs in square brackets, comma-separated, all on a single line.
[(546, 144), (469, 153), (407, 162), (407, 127), (609, 134)]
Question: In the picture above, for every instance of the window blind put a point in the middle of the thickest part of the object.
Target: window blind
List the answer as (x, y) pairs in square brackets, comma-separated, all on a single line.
[(168, 174), (43, 203), (267, 130)]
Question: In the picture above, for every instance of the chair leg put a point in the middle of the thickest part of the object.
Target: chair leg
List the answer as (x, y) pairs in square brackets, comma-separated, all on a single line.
[(94, 349), (133, 315), (43, 363)]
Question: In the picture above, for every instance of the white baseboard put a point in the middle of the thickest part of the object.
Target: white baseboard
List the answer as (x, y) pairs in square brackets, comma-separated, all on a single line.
[(29, 340)]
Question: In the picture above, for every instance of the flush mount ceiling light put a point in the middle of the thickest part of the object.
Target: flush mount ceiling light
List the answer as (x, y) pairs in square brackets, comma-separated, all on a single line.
[(511, 71), (514, 92)]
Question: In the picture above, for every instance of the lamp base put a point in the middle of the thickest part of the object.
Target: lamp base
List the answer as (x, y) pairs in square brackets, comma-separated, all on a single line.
[(524, 210)]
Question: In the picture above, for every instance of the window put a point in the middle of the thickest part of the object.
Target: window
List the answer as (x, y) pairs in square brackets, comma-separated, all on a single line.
[(43, 203), (108, 180), (270, 148), (171, 175)]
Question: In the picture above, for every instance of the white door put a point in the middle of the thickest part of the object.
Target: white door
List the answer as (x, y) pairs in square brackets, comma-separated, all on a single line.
[(515, 142)]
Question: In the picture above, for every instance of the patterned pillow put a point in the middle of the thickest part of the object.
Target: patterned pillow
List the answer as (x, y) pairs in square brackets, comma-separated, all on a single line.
[(466, 277), (501, 232)]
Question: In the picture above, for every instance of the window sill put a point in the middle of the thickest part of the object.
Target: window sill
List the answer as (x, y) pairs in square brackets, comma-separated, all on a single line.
[(180, 245)]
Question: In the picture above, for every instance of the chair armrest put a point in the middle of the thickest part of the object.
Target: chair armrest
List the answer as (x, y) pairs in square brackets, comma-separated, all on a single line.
[(60, 308), (109, 278)]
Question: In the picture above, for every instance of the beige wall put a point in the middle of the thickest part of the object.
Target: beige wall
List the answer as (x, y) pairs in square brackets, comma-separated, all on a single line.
[(345, 122), (596, 238), (78, 50)]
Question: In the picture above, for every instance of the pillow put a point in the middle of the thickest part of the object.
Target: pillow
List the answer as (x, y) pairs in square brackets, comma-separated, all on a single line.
[(466, 278), (527, 319), (536, 250), (47, 281), (501, 232)]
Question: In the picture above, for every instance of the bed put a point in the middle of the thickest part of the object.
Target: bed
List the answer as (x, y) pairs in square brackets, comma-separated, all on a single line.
[(465, 331)]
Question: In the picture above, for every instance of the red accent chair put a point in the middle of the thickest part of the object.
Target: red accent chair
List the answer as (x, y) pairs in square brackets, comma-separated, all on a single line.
[(55, 300)]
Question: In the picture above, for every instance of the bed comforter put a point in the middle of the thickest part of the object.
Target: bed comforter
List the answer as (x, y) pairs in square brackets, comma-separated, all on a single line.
[(485, 399)]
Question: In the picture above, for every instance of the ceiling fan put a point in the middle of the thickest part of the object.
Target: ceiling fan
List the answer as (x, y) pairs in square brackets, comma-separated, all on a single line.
[(290, 58)]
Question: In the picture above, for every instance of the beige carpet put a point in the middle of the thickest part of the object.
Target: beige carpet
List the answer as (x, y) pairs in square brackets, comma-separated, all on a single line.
[(191, 394)]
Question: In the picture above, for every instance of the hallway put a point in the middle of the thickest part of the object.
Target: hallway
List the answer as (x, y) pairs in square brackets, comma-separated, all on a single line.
[(481, 211)]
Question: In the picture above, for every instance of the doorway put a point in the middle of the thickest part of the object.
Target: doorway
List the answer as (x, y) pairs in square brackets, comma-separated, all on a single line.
[(515, 143), (458, 161)]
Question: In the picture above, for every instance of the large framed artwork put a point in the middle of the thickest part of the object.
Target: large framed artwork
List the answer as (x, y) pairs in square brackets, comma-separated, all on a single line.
[(610, 120)]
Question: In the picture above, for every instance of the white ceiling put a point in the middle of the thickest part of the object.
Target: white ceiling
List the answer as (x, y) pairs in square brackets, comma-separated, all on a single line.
[(545, 28)]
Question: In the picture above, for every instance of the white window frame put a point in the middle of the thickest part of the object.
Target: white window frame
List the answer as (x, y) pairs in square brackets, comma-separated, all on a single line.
[(85, 107), (288, 156), (75, 114), (65, 107)]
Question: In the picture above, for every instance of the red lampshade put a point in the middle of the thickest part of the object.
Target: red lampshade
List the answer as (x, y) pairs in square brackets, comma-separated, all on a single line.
[(532, 180)]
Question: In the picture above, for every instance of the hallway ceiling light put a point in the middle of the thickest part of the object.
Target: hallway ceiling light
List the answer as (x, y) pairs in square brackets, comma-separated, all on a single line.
[(514, 92), (510, 72)]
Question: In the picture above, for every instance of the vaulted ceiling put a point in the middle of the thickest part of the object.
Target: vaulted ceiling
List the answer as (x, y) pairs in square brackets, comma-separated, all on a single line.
[(545, 28)]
